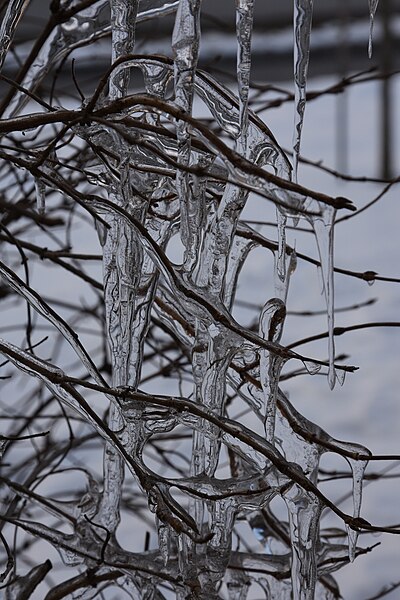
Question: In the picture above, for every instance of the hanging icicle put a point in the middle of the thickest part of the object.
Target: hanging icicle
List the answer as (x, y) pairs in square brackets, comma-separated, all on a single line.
[(373, 5), (244, 31), (302, 20)]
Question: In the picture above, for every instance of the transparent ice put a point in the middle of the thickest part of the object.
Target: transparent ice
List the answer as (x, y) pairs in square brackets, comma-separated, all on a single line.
[(373, 5), (165, 176)]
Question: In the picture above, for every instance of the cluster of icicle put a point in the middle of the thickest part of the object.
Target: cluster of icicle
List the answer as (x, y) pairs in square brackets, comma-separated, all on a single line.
[(200, 192)]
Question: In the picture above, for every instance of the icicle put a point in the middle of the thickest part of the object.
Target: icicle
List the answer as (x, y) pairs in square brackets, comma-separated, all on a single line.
[(185, 46), (373, 5), (219, 547), (221, 348), (123, 19), (323, 228), (302, 20), (284, 265), (40, 188), (237, 256), (304, 516), (272, 319), (118, 252), (164, 540), (280, 257), (358, 469), (244, 30)]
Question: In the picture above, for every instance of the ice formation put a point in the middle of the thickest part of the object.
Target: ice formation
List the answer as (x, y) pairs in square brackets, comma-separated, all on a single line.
[(373, 5), (159, 183)]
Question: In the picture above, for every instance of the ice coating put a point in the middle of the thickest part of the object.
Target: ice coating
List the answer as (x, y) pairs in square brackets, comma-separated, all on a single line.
[(191, 303), (302, 20), (14, 12), (373, 5), (87, 26), (61, 40)]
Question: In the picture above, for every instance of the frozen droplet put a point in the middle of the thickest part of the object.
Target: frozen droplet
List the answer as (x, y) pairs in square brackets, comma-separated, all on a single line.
[(312, 367), (340, 376)]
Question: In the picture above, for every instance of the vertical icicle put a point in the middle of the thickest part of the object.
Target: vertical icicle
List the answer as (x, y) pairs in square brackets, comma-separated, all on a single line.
[(358, 468), (323, 228), (185, 46), (123, 15), (244, 30), (304, 516), (373, 5), (302, 20), (219, 547)]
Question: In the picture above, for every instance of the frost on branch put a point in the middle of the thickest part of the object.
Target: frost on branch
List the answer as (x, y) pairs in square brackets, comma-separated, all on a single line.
[(159, 183)]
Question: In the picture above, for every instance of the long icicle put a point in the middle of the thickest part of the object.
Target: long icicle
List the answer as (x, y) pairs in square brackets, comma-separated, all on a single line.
[(185, 46), (123, 15), (323, 228), (302, 20), (244, 30), (373, 5)]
